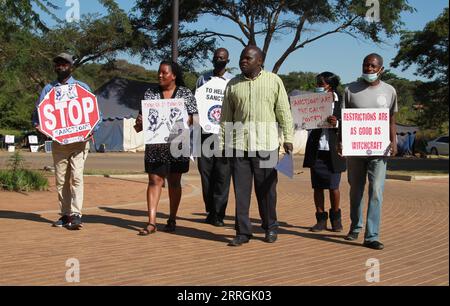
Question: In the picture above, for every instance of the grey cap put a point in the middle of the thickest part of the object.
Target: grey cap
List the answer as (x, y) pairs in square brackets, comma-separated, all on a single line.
[(65, 56)]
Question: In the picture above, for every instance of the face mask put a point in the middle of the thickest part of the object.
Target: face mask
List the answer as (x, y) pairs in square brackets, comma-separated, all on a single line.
[(219, 64), (320, 89), (63, 74), (370, 77)]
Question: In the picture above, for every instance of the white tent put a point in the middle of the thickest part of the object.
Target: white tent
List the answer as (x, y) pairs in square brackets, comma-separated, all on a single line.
[(119, 101), (300, 136), (118, 135)]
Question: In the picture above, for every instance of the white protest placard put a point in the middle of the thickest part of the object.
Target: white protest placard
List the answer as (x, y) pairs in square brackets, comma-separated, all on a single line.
[(365, 132), (68, 114), (32, 139), (9, 138), (163, 120), (310, 111), (209, 103)]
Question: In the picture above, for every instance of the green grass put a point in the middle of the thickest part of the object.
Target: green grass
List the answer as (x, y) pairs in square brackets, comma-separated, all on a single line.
[(16, 133), (17, 178), (23, 180)]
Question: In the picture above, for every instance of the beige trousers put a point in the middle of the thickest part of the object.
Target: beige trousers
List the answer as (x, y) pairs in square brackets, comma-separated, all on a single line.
[(69, 167)]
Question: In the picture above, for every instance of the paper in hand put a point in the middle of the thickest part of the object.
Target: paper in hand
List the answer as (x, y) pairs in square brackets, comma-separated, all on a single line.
[(286, 166)]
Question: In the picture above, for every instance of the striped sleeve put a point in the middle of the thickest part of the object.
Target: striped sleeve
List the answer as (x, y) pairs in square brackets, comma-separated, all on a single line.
[(283, 113)]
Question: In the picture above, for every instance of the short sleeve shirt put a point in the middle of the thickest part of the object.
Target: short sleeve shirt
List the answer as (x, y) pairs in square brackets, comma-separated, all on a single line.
[(362, 95)]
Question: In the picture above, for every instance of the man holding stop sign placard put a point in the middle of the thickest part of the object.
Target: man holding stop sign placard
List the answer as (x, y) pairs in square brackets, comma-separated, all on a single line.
[(68, 113)]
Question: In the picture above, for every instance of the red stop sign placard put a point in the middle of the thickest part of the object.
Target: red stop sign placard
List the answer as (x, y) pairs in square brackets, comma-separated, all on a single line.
[(68, 114)]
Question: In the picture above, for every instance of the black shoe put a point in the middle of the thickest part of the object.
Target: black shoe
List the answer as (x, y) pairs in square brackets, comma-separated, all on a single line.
[(271, 237), (213, 220), (376, 245), (170, 226), (321, 222), (64, 221), (76, 223), (351, 236), (210, 219), (218, 223), (239, 240)]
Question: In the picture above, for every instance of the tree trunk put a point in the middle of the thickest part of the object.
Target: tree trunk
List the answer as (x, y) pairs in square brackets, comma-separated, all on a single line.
[(281, 60)]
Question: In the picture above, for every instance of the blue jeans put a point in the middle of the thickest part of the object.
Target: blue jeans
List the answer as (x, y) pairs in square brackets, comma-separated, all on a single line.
[(375, 170)]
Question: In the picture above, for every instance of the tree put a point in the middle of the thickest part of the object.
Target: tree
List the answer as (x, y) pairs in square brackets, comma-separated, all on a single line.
[(428, 49), (299, 80), (407, 114), (27, 48), (32, 47), (20, 13), (267, 20)]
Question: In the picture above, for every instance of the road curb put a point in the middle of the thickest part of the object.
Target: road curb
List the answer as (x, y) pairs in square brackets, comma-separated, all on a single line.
[(410, 178), (125, 176)]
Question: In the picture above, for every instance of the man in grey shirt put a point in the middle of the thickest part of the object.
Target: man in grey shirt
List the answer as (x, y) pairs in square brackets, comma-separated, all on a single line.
[(371, 92)]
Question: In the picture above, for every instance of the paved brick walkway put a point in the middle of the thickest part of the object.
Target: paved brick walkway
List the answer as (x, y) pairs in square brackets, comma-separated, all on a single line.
[(415, 231)]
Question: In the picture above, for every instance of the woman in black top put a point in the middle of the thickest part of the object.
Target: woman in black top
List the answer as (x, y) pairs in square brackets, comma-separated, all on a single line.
[(322, 157), (159, 162)]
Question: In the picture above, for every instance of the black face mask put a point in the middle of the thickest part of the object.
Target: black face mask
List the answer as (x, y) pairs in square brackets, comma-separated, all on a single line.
[(63, 74), (219, 65)]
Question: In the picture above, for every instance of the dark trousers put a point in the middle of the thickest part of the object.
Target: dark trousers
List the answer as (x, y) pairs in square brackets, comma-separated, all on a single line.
[(245, 170), (215, 174)]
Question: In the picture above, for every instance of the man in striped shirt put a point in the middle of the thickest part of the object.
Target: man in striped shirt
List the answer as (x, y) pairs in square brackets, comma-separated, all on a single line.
[(255, 104)]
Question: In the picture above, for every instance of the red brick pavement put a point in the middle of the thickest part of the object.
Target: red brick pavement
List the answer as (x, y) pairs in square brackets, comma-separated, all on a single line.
[(415, 230)]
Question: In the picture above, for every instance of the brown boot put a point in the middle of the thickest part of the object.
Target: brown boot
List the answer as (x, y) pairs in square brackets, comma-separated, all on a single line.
[(335, 219), (321, 222)]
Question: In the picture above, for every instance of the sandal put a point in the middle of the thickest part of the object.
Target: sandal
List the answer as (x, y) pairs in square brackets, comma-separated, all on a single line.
[(145, 231), (170, 226)]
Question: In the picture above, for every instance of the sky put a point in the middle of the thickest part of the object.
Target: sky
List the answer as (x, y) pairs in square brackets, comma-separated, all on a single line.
[(338, 53)]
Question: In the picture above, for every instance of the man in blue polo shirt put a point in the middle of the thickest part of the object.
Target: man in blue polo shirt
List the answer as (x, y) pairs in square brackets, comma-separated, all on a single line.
[(68, 159)]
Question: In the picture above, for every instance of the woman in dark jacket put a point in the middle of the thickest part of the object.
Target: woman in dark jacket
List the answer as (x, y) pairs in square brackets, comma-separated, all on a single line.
[(326, 164)]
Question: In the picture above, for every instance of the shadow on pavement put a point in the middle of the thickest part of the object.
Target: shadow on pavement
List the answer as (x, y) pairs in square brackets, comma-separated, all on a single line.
[(17, 215), (136, 226), (181, 230)]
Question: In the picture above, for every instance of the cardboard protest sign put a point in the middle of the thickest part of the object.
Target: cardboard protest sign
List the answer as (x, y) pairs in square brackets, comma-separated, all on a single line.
[(32, 139), (209, 103), (365, 132), (163, 120), (9, 138), (68, 114), (310, 111)]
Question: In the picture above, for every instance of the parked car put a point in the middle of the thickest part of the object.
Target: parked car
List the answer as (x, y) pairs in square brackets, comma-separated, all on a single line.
[(438, 146)]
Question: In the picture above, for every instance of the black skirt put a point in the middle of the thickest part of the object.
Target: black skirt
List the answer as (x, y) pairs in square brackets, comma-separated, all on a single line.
[(166, 168), (322, 175)]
